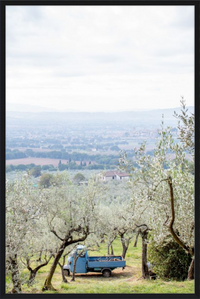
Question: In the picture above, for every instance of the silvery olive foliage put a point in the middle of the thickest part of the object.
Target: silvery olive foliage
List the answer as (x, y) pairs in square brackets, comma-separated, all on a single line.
[(151, 191), (115, 220), (71, 206), (71, 215), (38, 219), (25, 231), (186, 127)]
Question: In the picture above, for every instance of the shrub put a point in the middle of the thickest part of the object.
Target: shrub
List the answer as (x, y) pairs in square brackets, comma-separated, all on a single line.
[(170, 260), (78, 178), (45, 180), (36, 171)]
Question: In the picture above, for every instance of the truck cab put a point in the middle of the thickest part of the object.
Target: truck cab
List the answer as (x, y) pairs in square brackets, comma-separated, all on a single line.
[(81, 261)]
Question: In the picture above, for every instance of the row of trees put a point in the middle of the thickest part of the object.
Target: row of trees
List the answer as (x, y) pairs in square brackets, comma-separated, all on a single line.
[(62, 155), (30, 167), (60, 144), (14, 154), (69, 166)]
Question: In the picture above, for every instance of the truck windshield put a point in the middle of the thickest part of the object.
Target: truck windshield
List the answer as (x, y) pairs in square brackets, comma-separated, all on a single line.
[(81, 252), (71, 253)]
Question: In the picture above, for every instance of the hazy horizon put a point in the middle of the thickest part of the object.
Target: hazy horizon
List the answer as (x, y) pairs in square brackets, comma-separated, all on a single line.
[(12, 107)]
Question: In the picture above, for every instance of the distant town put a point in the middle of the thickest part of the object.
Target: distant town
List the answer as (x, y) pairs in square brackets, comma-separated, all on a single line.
[(89, 141)]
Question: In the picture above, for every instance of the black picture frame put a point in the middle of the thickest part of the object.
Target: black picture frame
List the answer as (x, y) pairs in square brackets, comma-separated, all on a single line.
[(196, 4)]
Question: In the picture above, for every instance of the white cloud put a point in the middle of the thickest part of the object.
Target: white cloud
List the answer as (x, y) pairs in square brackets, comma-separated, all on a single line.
[(100, 57)]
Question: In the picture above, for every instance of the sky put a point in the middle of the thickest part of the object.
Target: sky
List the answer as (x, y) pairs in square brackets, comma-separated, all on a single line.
[(100, 58)]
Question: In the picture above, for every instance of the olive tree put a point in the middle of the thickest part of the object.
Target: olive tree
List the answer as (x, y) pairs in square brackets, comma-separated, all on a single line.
[(41, 247), (167, 190), (116, 220), (140, 224), (70, 215), (61, 264), (23, 212), (125, 223)]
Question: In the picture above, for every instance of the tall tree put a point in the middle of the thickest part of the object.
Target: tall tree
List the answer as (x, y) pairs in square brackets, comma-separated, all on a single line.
[(71, 215), (23, 212), (170, 206)]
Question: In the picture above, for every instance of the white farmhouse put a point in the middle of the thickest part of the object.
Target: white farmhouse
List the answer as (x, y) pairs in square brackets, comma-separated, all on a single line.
[(114, 175)]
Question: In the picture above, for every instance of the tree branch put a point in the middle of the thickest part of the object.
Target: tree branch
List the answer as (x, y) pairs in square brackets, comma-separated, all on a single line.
[(171, 229), (55, 233), (165, 223)]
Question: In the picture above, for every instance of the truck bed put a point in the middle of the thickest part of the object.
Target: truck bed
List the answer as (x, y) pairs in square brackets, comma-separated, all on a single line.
[(106, 262)]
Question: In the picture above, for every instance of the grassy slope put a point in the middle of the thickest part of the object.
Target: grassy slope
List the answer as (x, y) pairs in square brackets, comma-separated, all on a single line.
[(121, 281)]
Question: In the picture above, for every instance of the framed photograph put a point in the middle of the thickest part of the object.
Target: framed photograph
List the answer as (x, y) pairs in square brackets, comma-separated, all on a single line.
[(100, 148)]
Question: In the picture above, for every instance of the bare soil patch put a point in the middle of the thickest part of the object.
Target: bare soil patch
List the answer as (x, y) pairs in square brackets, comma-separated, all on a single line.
[(36, 161)]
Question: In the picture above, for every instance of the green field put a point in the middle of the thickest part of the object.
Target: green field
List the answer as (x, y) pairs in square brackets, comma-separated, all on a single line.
[(122, 281)]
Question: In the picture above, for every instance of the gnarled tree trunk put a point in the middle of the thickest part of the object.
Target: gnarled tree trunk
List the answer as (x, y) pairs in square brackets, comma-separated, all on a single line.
[(76, 256), (33, 272), (15, 275), (136, 239), (145, 270), (125, 244), (110, 247), (112, 251), (31, 277), (68, 240), (47, 284), (64, 279), (174, 235), (191, 271)]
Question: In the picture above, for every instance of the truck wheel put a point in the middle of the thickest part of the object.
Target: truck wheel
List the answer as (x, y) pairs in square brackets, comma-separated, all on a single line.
[(106, 273), (66, 272)]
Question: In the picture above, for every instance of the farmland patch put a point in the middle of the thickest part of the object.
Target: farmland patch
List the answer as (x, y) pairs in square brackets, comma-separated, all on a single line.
[(36, 161)]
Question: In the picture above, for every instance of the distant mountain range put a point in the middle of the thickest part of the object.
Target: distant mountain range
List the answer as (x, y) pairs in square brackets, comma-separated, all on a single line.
[(25, 115), (11, 107)]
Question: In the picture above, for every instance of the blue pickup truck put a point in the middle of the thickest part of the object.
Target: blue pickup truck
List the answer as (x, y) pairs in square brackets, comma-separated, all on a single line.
[(85, 263)]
